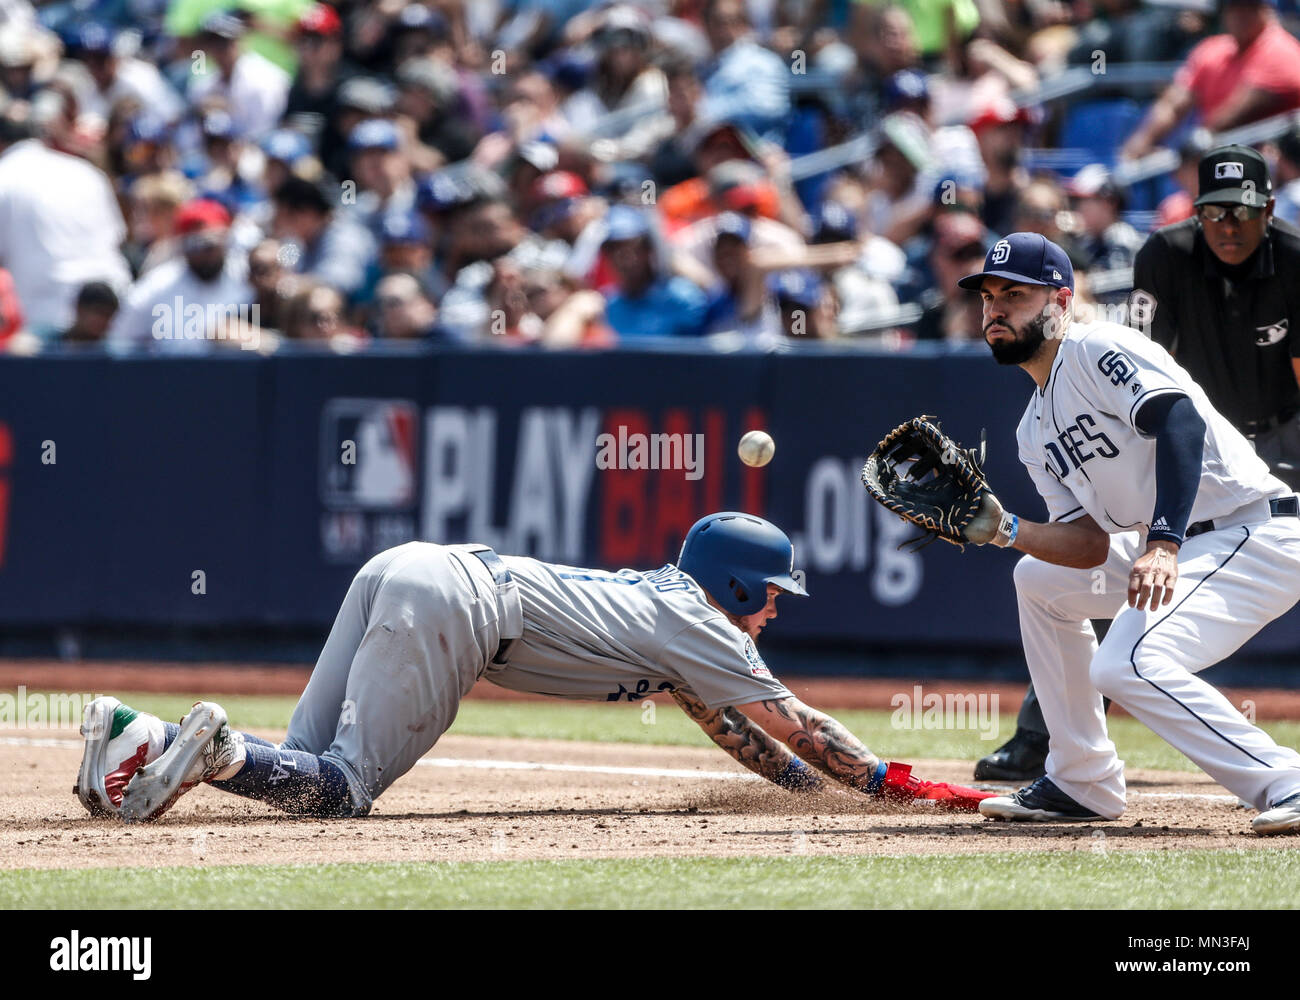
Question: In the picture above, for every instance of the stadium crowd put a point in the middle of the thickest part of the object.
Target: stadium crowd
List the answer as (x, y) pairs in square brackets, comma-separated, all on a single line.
[(187, 176)]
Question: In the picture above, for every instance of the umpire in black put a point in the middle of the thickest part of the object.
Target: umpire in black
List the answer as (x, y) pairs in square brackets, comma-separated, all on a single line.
[(1219, 292)]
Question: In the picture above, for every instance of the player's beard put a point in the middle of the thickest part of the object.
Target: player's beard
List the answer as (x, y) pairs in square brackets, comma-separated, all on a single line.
[(1028, 342)]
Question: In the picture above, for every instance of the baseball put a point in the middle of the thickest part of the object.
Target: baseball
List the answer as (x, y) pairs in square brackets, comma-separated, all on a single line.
[(757, 448)]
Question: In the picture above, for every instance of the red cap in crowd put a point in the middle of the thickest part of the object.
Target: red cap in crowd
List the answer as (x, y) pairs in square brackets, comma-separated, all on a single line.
[(200, 214), (1001, 111), (558, 184), (319, 19)]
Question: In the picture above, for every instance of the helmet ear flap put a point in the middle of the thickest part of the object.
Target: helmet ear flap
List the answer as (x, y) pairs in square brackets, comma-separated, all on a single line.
[(738, 588)]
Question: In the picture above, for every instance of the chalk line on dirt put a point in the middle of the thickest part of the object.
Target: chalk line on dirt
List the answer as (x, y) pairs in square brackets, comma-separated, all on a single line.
[(635, 772)]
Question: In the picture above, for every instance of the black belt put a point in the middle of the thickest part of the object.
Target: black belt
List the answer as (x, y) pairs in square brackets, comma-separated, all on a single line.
[(501, 576), (1277, 507), (1254, 427)]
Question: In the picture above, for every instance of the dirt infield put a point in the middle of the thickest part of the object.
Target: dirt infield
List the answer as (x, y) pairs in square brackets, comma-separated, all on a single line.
[(471, 800)]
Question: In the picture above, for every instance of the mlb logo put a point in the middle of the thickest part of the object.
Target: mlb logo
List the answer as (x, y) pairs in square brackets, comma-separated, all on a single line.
[(1001, 252), (368, 454), (1230, 170)]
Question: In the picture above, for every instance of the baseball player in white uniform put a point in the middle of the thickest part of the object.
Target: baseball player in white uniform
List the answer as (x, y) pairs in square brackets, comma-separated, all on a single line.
[(422, 623), (1161, 516)]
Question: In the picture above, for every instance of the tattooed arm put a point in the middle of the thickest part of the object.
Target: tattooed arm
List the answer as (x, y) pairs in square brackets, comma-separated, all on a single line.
[(818, 739), (749, 744)]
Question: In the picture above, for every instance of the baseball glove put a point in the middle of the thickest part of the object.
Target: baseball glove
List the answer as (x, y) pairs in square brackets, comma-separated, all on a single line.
[(925, 477)]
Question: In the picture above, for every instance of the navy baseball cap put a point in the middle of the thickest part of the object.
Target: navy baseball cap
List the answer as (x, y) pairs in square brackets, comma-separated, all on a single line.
[(625, 223), (92, 36), (404, 227), (374, 133), (797, 288), (287, 145), (1026, 258), (733, 224)]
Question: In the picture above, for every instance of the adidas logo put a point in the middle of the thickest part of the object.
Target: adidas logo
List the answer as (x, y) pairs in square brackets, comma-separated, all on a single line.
[(1160, 525)]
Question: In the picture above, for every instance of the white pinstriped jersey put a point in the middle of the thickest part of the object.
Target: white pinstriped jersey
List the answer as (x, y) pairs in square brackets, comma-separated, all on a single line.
[(1079, 442)]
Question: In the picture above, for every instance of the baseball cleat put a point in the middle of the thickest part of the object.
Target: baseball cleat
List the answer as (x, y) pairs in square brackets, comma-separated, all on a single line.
[(1021, 758), (119, 741), (204, 749), (1281, 817), (1042, 801)]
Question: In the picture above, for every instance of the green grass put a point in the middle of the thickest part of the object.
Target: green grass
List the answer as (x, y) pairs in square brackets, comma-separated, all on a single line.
[(1037, 880), (667, 726)]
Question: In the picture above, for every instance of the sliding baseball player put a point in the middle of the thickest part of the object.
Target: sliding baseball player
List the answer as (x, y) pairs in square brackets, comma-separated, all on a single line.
[(422, 623)]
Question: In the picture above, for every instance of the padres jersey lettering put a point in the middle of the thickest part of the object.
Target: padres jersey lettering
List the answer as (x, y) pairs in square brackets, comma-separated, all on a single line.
[(1079, 440)]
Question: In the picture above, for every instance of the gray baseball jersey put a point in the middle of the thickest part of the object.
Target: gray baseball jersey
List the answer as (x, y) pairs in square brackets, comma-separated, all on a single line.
[(594, 634)]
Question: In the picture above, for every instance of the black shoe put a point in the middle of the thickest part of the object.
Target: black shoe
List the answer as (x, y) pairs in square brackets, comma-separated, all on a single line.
[(1021, 758), (1040, 801)]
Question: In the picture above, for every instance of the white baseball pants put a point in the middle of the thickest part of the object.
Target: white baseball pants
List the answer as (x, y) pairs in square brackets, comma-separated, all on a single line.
[(1231, 583)]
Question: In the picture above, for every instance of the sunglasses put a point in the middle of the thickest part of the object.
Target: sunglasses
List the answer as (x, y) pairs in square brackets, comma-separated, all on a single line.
[(1217, 213)]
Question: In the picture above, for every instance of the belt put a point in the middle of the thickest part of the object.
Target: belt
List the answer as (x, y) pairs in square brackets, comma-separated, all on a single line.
[(1277, 507), (1254, 427), (501, 576)]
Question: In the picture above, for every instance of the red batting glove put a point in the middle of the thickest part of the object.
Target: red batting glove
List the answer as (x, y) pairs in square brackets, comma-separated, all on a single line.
[(901, 786)]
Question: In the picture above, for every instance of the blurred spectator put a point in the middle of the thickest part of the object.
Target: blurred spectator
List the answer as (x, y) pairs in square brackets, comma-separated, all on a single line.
[(898, 203), (314, 314), (405, 245), (429, 96), (999, 129), (647, 303), (94, 311), (863, 289), (479, 233), (615, 114), (114, 76), (941, 25), (805, 305), (1043, 209), (327, 245), (58, 234), (272, 285), (1106, 241), (671, 162), (22, 48), (1250, 72), (287, 153), (744, 83), (254, 89), (182, 305), (154, 200), (1131, 31), (225, 164), (1287, 198), (146, 148), (403, 311), (957, 243), (736, 304), (313, 98), (382, 172), (884, 39), (1177, 206)]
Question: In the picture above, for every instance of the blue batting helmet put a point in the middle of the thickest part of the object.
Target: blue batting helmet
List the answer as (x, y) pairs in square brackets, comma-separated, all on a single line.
[(734, 557)]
